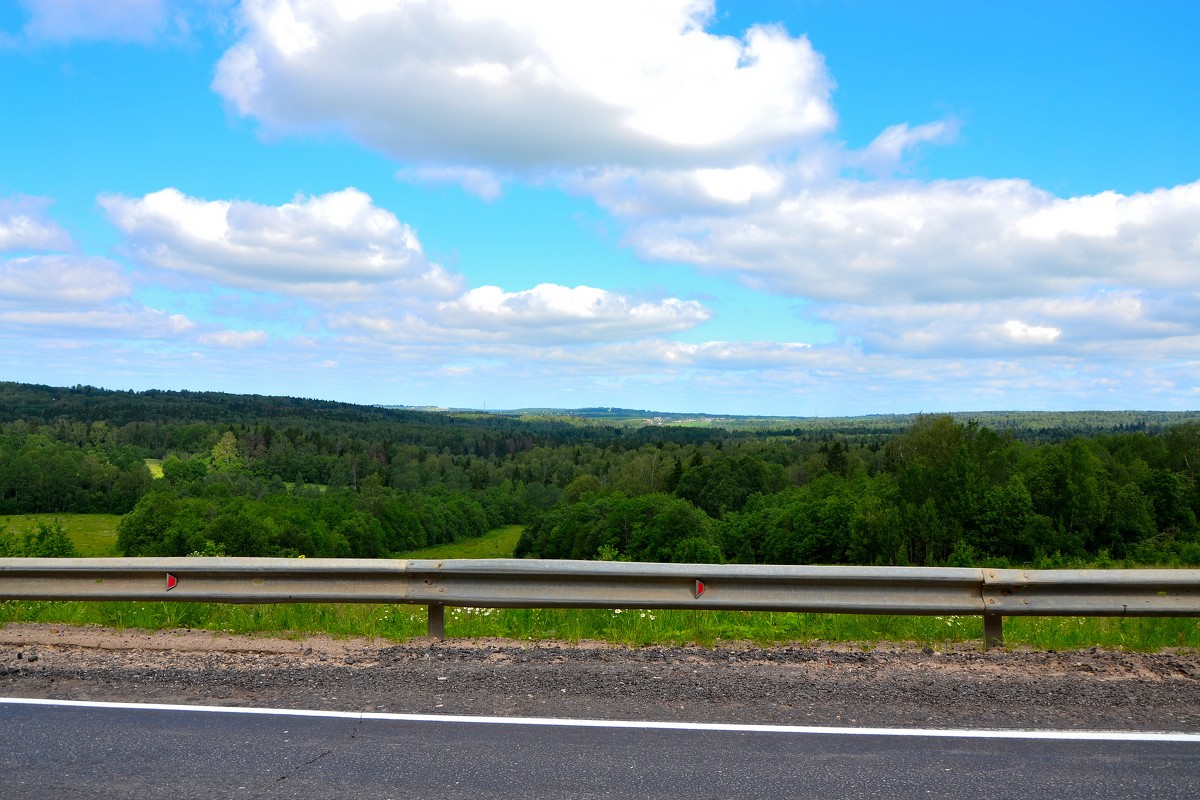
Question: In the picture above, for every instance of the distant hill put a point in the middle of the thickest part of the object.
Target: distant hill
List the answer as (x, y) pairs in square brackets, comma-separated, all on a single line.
[(89, 404), (1049, 424)]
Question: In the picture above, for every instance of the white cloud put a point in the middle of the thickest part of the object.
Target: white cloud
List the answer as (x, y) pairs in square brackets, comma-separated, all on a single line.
[(144, 22), (737, 184), (60, 280), (66, 298), (1107, 325), (583, 313), (1024, 333), (520, 85), (719, 356), (235, 339), (111, 322), (367, 270), (545, 315), (775, 377), (898, 242), (650, 355), (24, 225), (119, 20), (715, 151), (886, 153), (327, 247), (762, 377), (482, 183)]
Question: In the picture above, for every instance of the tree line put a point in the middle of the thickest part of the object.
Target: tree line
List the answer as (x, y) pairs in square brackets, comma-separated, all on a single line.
[(88, 473), (941, 493), (249, 475)]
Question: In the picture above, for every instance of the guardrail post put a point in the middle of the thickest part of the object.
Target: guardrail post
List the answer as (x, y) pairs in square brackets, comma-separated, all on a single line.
[(437, 623), (993, 631)]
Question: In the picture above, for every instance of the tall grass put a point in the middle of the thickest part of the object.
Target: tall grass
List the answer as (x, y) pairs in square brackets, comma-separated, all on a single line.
[(630, 627), (95, 534)]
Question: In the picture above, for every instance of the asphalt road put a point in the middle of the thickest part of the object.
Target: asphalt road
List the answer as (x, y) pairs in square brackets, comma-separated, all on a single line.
[(66, 751)]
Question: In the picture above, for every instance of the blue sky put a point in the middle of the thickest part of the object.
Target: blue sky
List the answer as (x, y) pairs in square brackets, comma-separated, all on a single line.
[(791, 208)]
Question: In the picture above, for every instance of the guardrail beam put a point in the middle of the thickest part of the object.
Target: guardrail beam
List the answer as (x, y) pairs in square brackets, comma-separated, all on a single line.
[(519, 583), (1092, 592)]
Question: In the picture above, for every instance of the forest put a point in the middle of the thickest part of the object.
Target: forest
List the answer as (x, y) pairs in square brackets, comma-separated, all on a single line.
[(253, 475)]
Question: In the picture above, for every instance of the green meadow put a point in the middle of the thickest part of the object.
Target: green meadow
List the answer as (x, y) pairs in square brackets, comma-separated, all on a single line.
[(496, 543), (94, 535)]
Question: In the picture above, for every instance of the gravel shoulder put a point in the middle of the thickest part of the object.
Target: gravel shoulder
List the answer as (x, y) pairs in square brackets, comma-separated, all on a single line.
[(832, 685)]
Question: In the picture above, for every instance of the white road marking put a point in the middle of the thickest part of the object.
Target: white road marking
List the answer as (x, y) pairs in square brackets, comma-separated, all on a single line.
[(963, 733)]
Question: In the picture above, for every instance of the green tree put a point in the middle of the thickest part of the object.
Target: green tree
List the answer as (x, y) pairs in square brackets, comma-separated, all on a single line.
[(224, 455), (50, 540), (177, 471)]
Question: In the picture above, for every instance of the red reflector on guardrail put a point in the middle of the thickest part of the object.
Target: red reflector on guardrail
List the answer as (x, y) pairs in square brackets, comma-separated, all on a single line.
[(699, 590), (171, 581)]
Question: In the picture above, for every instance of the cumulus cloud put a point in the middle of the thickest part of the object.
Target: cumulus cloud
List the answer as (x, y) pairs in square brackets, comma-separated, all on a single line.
[(1076, 326), (717, 152), (333, 246), (57, 280), (25, 226), (546, 315), (582, 312), (900, 242), (528, 85), (68, 298), (367, 271)]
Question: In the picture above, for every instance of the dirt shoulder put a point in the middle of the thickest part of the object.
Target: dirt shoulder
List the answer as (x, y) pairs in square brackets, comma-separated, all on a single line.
[(889, 686)]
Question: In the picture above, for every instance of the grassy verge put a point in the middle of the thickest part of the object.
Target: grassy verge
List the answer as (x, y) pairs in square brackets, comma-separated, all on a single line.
[(631, 627), (94, 535)]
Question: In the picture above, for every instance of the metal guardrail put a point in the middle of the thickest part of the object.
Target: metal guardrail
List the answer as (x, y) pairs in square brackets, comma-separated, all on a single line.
[(511, 583)]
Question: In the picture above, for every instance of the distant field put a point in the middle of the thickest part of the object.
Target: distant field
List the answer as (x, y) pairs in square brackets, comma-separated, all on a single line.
[(155, 467), (94, 535), (497, 543)]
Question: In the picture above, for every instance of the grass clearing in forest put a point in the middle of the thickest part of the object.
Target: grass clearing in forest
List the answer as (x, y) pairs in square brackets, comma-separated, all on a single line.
[(94, 535), (496, 543)]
